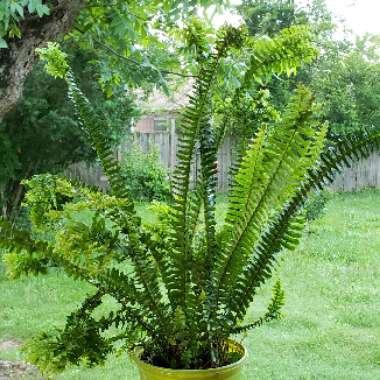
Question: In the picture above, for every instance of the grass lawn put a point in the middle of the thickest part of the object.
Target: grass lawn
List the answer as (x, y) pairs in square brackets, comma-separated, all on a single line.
[(331, 328)]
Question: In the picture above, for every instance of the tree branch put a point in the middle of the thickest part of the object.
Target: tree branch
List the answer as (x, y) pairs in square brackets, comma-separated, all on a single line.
[(18, 59), (134, 62)]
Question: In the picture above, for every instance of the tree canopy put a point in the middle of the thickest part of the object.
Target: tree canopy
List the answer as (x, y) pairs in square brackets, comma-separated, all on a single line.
[(128, 39), (42, 133), (115, 48)]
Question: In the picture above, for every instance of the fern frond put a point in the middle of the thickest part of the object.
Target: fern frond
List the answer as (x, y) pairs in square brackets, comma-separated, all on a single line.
[(286, 230), (146, 273), (160, 242), (277, 302), (196, 117), (209, 187), (80, 340), (95, 127), (124, 215), (268, 177), (124, 289), (273, 311), (284, 53)]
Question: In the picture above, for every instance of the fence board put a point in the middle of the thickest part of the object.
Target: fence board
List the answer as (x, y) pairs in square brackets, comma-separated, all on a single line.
[(362, 174)]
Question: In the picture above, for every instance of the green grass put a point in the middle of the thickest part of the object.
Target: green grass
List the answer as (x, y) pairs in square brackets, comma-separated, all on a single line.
[(331, 328)]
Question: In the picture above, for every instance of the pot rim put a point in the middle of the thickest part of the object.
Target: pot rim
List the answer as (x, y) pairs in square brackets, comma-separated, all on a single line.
[(224, 369)]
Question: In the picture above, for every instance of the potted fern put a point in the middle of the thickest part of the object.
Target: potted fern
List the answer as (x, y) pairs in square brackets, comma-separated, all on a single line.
[(183, 286)]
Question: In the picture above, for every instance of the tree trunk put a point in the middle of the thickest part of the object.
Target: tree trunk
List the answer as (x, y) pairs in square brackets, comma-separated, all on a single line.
[(17, 61)]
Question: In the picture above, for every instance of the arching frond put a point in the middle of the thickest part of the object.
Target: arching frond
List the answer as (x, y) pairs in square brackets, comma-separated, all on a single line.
[(285, 231), (268, 176)]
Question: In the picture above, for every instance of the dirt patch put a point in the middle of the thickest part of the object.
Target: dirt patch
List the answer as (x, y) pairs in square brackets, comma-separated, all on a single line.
[(10, 344), (10, 370)]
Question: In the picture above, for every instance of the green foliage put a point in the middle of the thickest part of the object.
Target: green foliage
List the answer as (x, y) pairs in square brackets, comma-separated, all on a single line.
[(130, 40), (12, 12), (56, 60), (86, 237), (254, 110), (79, 343), (343, 76), (145, 177), (315, 205), (250, 103), (48, 193), (273, 310), (42, 134), (346, 81), (72, 217), (282, 54), (23, 262), (21, 254), (184, 284), (270, 17), (26, 249)]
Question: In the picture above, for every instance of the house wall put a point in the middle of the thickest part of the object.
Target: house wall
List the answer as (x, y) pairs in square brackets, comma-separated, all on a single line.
[(145, 125)]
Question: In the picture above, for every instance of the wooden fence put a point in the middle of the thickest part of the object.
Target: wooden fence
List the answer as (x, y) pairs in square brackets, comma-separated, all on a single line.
[(362, 174), (166, 143)]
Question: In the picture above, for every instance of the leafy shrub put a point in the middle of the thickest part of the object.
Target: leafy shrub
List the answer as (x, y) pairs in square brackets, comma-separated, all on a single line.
[(26, 242), (146, 179), (315, 205), (24, 262), (20, 254), (48, 193)]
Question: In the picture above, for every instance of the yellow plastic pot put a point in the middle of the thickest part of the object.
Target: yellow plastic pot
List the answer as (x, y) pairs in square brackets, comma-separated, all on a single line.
[(230, 372)]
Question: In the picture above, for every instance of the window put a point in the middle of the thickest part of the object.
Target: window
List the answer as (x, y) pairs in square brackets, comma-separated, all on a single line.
[(161, 124)]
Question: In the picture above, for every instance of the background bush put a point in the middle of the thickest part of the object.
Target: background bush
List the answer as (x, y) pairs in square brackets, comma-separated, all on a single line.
[(315, 206), (146, 178)]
